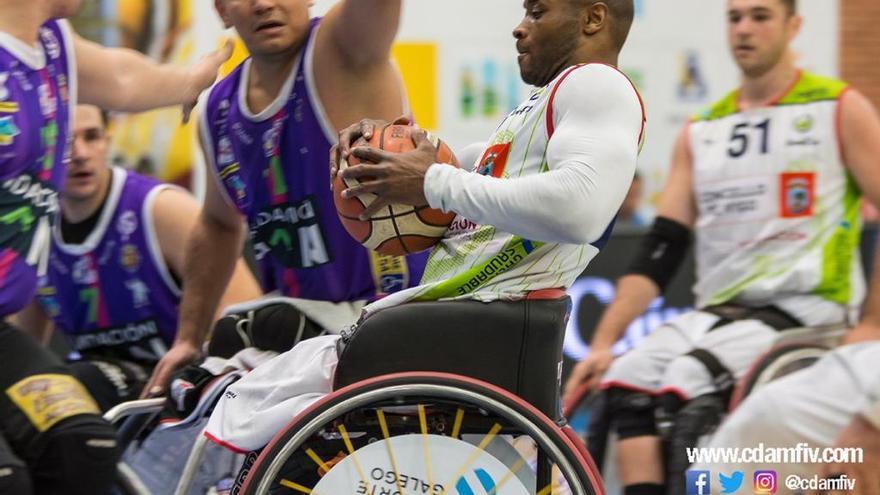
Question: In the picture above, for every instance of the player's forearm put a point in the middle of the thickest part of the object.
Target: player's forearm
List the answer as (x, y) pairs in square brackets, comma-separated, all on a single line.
[(633, 297), (564, 205), (136, 83), (212, 252)]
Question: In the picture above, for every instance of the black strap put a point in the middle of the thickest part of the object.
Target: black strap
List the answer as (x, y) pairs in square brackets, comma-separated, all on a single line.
[(722, 377), (771, 316)]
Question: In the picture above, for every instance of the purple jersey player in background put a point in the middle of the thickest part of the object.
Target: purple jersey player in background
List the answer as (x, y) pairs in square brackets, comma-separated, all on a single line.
[(113, 280), (53, 438), (266, 131)]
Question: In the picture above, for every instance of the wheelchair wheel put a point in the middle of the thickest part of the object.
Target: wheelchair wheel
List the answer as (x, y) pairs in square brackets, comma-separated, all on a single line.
[(776, 363), (425, 433)]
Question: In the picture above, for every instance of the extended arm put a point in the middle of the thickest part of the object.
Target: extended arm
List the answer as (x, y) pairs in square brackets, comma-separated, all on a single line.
[(125, 80), (591, 155)]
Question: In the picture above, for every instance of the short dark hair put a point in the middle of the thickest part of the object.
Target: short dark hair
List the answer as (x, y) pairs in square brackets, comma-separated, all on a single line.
[(791, 5), (621, 12)]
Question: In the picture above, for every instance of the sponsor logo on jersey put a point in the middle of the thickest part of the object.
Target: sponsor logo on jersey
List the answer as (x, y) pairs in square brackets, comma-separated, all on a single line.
[(53, 48), (292, 233), (140, 293), (796, 193), (4, 91), (803, 123), (48, 103), (234, 184), (83, 272), (130, 258), (494, 160), (127, 224), (390, 273), (8, 131), (242, 134), (225, 156)]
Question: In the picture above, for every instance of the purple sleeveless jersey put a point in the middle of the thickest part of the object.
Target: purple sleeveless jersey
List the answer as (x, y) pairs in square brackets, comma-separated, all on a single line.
[(37, 91), (113, 294), (273, 167)]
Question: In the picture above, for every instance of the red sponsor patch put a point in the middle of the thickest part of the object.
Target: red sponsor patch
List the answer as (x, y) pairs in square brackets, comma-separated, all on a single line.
[(796, 194), (494, 160)]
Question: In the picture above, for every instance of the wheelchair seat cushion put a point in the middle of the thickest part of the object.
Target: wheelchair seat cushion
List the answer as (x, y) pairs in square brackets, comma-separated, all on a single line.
[(516, 345)]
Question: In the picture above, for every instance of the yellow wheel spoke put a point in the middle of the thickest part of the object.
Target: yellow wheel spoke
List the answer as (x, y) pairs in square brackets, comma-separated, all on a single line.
[(385, 434), (295, 486), (426, 442), (456, 427), (320, 462), (473, 457), (350, 447)]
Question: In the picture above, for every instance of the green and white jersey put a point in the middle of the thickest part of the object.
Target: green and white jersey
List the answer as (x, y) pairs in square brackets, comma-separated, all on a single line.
[(483, 262), (777, 210)]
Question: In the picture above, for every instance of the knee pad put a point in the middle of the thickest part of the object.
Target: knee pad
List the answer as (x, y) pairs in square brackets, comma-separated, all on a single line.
[(668, 406), (272, 327), (79, 457), (632, 412), (16, 480)]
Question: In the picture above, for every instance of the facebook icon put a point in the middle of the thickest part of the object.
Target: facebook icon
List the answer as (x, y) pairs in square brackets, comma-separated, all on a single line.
[(698, 483)]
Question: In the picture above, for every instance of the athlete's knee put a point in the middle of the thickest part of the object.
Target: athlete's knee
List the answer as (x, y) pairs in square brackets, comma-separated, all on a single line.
[(15, 479), (80, 456), (633, 412)]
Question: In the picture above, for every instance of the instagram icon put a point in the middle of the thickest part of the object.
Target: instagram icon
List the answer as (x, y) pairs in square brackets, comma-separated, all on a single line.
[(765, 482)]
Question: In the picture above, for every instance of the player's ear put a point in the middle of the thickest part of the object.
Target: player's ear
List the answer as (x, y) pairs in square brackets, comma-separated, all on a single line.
[(220, 5), (794, 26), (594, 18)]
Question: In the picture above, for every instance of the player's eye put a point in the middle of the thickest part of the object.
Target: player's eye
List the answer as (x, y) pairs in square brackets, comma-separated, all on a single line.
[(92, 135), (734, 17)]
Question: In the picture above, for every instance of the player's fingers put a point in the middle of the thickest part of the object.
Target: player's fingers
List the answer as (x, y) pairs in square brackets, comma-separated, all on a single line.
[(374, 155), (187, 111), (334, 163), (368, 170), (371, 187), (374, 208), (367, 129), (152, 388)]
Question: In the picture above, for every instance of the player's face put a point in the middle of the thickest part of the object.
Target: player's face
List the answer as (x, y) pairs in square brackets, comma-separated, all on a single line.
[(267, 27), (88, 162), (758, 33), (546, 38), (64, 8)]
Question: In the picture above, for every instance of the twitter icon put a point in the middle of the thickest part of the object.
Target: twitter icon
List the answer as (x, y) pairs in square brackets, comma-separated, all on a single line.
[(730, 484)]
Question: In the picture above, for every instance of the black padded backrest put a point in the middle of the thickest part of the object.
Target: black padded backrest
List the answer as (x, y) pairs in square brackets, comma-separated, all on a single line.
[(515, 345)]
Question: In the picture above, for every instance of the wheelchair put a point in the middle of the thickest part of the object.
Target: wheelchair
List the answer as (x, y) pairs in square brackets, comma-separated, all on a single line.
[(471, 410), (693, 425)]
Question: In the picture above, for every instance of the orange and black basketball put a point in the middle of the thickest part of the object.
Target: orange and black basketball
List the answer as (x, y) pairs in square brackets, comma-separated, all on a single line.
[(397, 229)]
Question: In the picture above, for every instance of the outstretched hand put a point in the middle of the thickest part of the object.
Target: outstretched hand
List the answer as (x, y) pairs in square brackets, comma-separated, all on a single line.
[(391, 177), (203, 74)]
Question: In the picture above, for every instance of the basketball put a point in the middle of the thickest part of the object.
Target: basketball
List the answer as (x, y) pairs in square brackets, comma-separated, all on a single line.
[(398, 229)]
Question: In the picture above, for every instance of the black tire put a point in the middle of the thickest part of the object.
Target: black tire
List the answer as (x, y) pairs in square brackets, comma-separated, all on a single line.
[(441, 393)]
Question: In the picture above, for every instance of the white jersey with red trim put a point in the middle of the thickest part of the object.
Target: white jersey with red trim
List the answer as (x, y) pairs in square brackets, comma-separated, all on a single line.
[(777, 211), (589, 119)]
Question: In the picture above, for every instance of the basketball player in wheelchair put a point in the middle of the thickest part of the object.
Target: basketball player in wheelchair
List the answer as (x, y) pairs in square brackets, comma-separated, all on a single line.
[(473, 352), (776, 247)]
